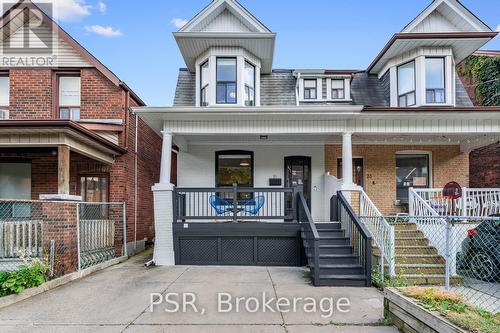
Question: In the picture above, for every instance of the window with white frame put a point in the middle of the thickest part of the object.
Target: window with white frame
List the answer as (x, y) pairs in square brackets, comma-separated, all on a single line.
[(338, 89), (249, 84), (204, 80), (434, 80), (412, 170), (226, 81), (310, 89), (69, 97), (4, 91), (406, 84)]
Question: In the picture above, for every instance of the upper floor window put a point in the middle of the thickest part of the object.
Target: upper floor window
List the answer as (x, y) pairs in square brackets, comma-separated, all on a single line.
[(310, 89), (69, 97), (338, 90), (4, 91), (204, 79), (249, 84), (406, 84), (226, 81), (434, 80)]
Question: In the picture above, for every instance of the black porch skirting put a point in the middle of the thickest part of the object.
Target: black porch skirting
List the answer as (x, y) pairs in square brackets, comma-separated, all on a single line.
[(242, 244)]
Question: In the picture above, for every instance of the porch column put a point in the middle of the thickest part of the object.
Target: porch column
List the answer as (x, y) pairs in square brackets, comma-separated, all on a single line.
[(163, 254), (347, 159), (63, 160)]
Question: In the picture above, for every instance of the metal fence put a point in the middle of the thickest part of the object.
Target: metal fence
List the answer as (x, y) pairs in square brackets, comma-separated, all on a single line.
[(459, 253), (67, 236)]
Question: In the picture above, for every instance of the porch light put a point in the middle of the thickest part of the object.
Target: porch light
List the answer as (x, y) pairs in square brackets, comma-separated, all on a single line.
[(244, 164)]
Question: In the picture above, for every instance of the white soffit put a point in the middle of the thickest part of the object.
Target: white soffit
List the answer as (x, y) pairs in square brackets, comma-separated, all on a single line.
[(225, 23)]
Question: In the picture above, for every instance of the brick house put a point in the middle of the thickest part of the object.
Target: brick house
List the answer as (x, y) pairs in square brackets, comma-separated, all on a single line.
[(485, 161), (67, 131), (260, 146)]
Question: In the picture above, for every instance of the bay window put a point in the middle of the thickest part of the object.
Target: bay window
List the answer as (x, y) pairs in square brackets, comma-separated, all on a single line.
[(204, 79), (310, 89), (338, 89), (249, 84), (69, 97), (226, 81), (406, 84), (434, 80)]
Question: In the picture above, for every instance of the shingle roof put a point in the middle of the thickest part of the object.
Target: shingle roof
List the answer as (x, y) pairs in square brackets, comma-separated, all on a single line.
[(278, 88)]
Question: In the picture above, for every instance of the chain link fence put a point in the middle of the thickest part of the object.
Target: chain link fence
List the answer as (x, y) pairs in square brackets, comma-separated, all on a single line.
[(66, 236), (457, 253)]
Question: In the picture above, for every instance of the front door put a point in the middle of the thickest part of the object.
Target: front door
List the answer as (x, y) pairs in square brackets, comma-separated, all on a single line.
[(298, 174)]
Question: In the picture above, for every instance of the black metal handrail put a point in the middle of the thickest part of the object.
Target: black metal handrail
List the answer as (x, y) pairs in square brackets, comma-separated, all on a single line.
[(360, 238), (310, 236), (234, 203)]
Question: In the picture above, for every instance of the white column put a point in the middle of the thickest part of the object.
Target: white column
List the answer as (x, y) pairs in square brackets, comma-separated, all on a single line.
[(163, 254), (347, 160)]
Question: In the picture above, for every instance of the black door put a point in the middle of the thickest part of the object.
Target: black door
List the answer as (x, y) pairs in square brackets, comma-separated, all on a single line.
[(298, 174)]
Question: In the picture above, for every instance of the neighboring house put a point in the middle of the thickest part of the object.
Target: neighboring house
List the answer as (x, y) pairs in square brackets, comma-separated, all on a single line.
[(291, 138), (67, 131), (484, 162)]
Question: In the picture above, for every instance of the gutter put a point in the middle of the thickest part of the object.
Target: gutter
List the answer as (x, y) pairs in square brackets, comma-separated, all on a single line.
[(297, 89)]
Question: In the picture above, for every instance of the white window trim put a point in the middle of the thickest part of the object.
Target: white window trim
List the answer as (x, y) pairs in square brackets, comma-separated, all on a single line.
[(420, 152), (347, 89), (319, 89), (419, 56), (241, 56)]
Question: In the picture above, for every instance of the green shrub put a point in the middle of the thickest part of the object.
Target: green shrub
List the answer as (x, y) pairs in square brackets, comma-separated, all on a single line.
[(29, 275)]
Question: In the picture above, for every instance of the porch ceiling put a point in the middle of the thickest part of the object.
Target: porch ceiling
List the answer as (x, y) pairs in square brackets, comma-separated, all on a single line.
[(56, 133)]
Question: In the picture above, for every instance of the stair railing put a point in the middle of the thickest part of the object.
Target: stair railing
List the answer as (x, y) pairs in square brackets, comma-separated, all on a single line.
[(360, 237), (382, 231), (310, 236)]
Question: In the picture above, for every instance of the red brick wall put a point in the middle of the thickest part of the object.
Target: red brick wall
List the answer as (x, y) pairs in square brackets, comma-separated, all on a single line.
[(485, 166), (31, 97)]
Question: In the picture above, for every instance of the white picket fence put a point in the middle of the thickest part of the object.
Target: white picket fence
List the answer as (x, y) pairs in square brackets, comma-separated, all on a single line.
[(16, 236)]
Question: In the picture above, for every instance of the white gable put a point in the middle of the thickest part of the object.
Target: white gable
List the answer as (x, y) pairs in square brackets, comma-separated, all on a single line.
[(436, 22), (64, 54), (225, 22), (446, 16), (224, 16)]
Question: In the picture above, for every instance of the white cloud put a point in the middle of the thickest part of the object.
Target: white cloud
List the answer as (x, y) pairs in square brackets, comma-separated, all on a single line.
[(70, 10), (101, 6), (104, 31), (178, 22)]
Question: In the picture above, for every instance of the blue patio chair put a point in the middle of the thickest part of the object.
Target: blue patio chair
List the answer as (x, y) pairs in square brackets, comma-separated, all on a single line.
[(221, 206), (253, 206)]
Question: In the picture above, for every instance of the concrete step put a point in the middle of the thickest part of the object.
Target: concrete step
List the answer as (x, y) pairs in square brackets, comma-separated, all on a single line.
[(432, 280), (417, 259), (415, 249), (401, 241), (404, 226), (419, 269), (408, 234)]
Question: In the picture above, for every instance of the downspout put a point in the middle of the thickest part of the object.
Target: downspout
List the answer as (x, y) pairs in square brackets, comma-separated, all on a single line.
[(136, 176), (297, 89)]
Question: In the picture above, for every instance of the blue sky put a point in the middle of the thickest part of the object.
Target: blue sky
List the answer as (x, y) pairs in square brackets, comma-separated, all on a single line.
[(135, 41)]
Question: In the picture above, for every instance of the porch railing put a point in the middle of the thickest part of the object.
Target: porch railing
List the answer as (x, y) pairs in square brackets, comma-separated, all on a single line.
[(16, 236), (360, 237), (310, 236), (475, 202), (234, 204)]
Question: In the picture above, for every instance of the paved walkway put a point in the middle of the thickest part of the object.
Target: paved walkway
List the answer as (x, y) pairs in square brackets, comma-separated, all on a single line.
[(118, 300)]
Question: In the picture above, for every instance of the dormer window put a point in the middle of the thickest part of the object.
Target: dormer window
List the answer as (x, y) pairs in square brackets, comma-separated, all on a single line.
[(204, 79), (249, 84), (434, 80), (406, 84), (226, 81), (310, 89), (338, 90)]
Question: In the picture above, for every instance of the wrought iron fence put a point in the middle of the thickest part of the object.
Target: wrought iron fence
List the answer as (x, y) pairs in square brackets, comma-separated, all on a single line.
[(459, 253), (66, 236)]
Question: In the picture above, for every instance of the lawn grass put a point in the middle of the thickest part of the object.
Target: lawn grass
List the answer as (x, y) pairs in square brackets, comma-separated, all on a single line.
[(451, 306)]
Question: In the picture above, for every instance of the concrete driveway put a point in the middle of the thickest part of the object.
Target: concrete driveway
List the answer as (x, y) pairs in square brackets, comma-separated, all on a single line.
[(118, 299)]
